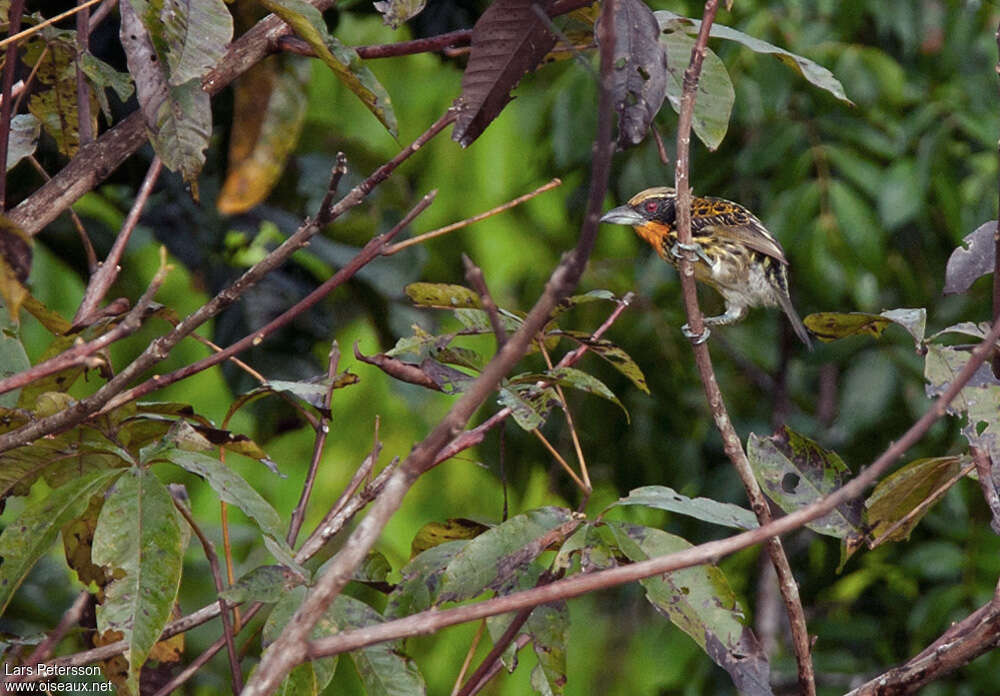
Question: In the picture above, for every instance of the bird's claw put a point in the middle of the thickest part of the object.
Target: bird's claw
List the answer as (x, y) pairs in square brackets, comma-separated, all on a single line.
[(678, 249), (696, 339)]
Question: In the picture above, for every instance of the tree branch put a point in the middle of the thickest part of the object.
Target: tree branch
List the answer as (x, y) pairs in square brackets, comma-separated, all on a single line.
[(731, 440)]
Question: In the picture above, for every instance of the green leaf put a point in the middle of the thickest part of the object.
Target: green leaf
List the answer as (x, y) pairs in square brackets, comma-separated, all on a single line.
[(714, 105), (900, 493), (593, 544), (902, 195), (396, 12), (571, 377), (13, 358), (497, 554), (705, 509), (231, 488), (178, 116), (700, 602), (794, 472), (548, 626), (323, 669), (618, 358), (418, 590), (830, 326), (529, 404), (308, 23), (27, 538), (264, 584), (442, 296), (139, 533), (383, 668), (811, 71), (435, 533), (196, 34)]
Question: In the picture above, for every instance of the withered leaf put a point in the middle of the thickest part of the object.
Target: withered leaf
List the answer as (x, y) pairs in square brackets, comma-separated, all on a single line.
[(508, 41)]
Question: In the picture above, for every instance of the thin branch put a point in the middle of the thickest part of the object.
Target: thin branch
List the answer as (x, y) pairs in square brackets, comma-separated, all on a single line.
[(996, 242), (731, 441), (104, 276), (985, 466), (88, 248), (429, 44), (290, 647), (213, 564), (420, 238), (577, 447), (468, 658), (482, 674), (10, 62), (84, 119), (41, 25), (69, 619), (474, 274), (322, 430), (560, 460)]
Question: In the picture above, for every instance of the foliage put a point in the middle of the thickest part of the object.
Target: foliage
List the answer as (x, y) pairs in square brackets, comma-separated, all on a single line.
[(862, 134)]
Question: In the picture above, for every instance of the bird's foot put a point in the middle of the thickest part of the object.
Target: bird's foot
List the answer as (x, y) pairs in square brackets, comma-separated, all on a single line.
[(678, 249), (696, 339)]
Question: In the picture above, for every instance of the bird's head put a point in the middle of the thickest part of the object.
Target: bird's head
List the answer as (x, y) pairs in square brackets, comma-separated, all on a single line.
[(657, 204)]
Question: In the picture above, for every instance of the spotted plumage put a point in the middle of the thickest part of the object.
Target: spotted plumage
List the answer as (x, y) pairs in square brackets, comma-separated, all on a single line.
[(734, 252)]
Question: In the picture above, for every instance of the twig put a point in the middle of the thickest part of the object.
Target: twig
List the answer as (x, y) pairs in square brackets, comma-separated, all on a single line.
[(69, 619), (84, 121), (996, 245), (213, 564), (960, 644), (985, 466), (322, 430), (480, 676), (731, 441), (468, 658), (587, 487), (41, 25), (104, 276), (461, 37), (10, 62), (88, 248), (560, 460), (290, 647), (399, 246), (474, 274)]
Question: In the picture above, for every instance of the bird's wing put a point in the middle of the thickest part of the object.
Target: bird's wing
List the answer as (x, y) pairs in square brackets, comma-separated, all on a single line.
[(749, 232)]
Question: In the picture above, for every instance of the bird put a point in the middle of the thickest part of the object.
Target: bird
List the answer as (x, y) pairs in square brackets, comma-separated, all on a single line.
[(732, 252)]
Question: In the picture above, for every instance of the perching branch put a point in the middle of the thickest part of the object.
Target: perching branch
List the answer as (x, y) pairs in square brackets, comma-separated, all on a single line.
[(731, 440)]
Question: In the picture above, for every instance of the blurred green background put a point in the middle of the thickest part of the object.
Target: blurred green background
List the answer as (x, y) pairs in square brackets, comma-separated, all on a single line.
[(868, 202)]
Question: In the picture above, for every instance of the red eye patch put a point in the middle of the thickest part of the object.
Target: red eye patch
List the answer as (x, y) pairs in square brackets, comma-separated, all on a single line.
[(650, 206)]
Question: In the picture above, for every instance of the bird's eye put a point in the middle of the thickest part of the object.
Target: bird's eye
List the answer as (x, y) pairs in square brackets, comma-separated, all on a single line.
[(650, 206)]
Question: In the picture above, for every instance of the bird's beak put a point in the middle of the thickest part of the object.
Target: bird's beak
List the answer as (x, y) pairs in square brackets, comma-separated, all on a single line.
[(623, 215)]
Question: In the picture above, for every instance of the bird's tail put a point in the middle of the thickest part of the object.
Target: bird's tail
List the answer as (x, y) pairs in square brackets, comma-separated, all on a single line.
[(793, 318)]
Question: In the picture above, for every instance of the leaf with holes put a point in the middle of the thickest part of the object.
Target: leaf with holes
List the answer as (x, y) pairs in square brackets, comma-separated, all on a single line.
[(639, 79), (794, 472)]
